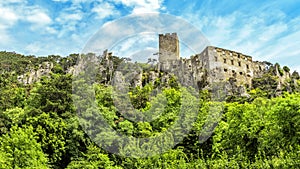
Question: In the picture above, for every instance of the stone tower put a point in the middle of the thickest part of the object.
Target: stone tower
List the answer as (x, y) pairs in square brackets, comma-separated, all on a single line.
[(168, 47)]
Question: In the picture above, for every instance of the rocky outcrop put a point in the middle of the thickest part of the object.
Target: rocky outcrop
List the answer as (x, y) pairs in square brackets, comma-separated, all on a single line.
[(33, 75)]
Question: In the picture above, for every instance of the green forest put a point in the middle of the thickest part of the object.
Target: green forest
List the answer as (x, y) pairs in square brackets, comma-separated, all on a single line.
[(40, 127)]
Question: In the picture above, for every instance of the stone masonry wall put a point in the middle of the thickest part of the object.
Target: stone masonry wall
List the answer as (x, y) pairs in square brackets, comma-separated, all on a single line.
[(230, 64), (215, 65), (168, 47)]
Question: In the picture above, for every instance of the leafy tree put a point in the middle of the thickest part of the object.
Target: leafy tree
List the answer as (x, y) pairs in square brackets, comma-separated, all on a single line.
[(20, 149), (93, 159), (53, 95), (12, 96), (286, 69), (267, 84), (51, 131)]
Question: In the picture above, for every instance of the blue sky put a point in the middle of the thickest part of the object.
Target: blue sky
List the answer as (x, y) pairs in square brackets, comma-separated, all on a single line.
[(267, 30)]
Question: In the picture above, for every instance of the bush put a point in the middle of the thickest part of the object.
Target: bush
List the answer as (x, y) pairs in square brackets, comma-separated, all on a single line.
[(286, 69)]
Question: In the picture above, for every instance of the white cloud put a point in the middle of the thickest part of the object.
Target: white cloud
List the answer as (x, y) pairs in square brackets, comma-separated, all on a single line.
[(104, 10), (10, 14), (60, 0), (77, 1), (272, 31), (12, 1), (68, 20), (5, 37), (135, 44), (284, 47), (142, 6), (51, 30), (33, 48), (8, 17), (38, 18), (40, 48), (13, 15), (66, 17)]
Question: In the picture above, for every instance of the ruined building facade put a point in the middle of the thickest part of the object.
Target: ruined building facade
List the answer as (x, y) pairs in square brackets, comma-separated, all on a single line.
[(213, 64)]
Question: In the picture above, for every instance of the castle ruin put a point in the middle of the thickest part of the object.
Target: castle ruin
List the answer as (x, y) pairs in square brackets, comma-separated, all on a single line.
[(213, 64), (226, 69)]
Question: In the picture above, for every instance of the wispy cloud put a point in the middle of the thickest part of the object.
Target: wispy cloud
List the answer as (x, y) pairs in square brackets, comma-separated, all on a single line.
[(5, 38), (60, 0), (66, 23), (265, 32), (37, 17), (104, 10), (13, 12), (142, 6), (33, 48), (130, 46), (13, 2), (7, 16)]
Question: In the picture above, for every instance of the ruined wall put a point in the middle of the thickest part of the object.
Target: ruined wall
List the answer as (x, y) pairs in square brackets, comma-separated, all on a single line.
[(168, 47), (224, 64), (233, 64), (214, 64)]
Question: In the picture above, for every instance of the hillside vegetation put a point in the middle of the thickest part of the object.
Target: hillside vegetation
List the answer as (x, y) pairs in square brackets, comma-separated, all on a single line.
[(39, 125)]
